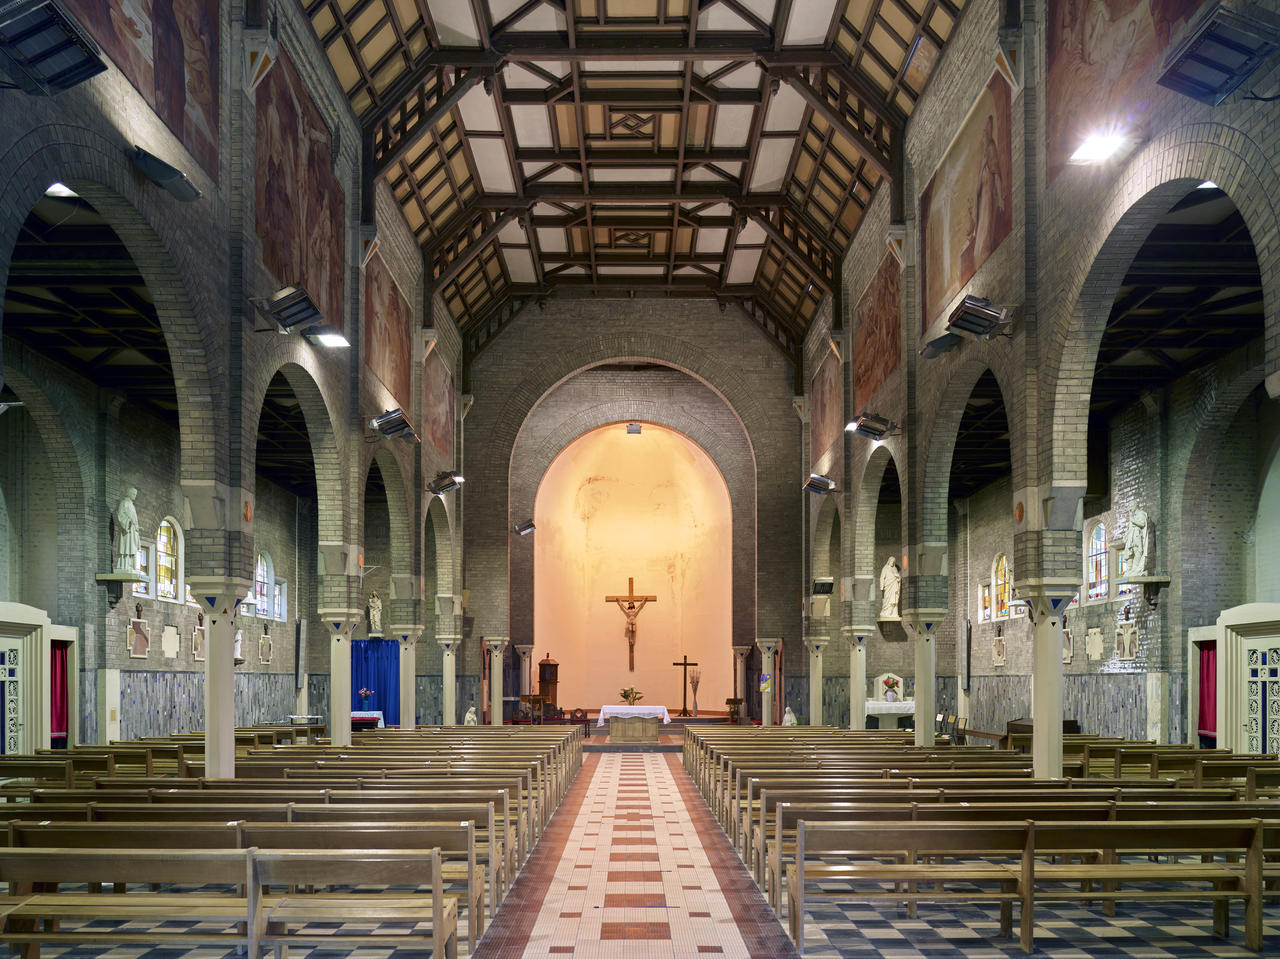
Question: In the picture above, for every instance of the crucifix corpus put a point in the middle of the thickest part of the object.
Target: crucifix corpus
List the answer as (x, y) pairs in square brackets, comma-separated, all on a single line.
[(630, 610), (684, 686)]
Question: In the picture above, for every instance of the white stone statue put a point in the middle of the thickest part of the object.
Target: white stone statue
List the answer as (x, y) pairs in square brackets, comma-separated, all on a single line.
[(128, 540), (470, 718), (239, 640), (1137, 542), (375, 613), (890, 587), (789, 718)]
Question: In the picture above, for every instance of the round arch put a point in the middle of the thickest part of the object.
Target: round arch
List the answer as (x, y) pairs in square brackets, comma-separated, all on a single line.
[(399, 518), (868, 502), (443, 557)]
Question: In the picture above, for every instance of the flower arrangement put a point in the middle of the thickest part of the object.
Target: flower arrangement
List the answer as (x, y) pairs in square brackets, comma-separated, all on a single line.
[(890, 683), (631, 695), (364, 693)]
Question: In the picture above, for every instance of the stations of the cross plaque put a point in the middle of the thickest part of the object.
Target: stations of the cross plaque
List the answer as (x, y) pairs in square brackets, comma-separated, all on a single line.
[(684, 686), (630, 610)]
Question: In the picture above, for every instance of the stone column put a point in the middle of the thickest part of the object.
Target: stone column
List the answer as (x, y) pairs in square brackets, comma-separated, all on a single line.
[(448, 680), (816, 645), (218, 598), (1046, 606), (525, 651), (408, 636), (340, 622), (923, 625), (767, 648), (495, 645), (740, 654), (856, 637)]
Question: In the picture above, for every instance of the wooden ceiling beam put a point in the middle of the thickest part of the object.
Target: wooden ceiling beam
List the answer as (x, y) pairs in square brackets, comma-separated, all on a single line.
[(668, 99), (475, 248), (871, 150)]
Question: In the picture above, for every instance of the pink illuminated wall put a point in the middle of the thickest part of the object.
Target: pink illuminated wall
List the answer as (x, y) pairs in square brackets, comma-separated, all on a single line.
[(652, 507)]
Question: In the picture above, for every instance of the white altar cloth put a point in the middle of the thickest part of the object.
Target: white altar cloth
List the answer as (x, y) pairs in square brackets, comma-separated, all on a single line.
[(646, 712), (369, 714), (901, 707)]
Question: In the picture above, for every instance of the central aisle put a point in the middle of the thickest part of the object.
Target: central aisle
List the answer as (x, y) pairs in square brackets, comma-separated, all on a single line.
[(633, 865)]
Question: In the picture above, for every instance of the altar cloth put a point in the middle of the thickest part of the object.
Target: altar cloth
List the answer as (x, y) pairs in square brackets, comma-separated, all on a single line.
[(644, 712)]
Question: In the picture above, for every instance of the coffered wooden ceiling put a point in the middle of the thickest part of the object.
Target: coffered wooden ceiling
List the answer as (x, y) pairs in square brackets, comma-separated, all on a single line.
[(722, 148)]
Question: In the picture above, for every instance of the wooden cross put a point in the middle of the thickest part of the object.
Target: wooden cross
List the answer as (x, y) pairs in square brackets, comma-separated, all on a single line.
[(630, 610), (684, 692)]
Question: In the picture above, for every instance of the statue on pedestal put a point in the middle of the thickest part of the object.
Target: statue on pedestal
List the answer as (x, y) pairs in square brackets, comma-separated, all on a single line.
[(375, 614), (1137, 542), (128, 540), (890, 588), (470, 718)]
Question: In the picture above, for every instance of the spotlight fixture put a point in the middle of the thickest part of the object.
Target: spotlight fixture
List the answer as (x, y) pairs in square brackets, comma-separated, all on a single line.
[(325, 334), (817, 483), (525, 528), (633, 429), (871, 425), (393, 424), (1098, 147), (61, 191), (979, 318), (444, 482), (43, 49), (1218, 52), (169, 178), (289, 308), (824, 585)]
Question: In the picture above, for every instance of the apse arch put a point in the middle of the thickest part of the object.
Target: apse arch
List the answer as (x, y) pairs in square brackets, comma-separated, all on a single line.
[(1157, 177), (729, 448), (616, 509)]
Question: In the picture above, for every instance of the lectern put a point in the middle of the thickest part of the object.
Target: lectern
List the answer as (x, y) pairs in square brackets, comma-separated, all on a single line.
[(548, 681)]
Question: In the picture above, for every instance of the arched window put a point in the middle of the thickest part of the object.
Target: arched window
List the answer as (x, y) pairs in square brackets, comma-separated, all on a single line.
[(167, 549), (1000, 586), (264, 587), (1097, 583)]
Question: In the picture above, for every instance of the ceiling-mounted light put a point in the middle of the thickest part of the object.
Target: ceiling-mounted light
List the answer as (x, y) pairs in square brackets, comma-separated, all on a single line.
[(445, 482), (817, 483), (393, 424), (43, 49), (525, 528), (871, 425), (290, 307), (166, 176), (1219, 50), (325, 334), (61, 191), (978, 317), (824, 585)]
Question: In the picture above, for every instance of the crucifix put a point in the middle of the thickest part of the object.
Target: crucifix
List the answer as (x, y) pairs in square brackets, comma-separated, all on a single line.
[(684, 690), (630, 610)]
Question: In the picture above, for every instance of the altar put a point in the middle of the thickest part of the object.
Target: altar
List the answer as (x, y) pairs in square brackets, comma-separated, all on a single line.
[(367, 719), (879, 707), (633, 724)]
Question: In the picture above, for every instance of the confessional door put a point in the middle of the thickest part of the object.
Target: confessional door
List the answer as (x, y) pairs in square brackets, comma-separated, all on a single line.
[(1262, 694), (11, 690)]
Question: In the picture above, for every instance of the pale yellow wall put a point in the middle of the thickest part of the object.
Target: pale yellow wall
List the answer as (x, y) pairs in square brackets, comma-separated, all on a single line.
[(653, 507)]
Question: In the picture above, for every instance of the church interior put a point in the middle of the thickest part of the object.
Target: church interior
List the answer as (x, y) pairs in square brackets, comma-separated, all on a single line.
[(789, 476)]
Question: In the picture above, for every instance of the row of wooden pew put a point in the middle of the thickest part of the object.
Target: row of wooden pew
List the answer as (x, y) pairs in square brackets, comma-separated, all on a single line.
[(813, 811), (466, 803)]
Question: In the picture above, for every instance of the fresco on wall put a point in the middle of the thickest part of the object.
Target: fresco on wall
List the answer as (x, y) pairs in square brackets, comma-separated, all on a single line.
[(168, 50), (825, 405), (386, 331), (1097, 50), (300, 212), (877, 344), (967, 208), (437, 408)]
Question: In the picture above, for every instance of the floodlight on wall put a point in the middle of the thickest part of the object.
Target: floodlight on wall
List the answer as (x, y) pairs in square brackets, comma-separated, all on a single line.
[(325, 334), (393, 424), (871, 426), (43, 50), (445, 482), (525, 528), (979, 318), (290, 307), (817, 483), (824, 585), (1099, 147), (1219, 50), (169, 178)]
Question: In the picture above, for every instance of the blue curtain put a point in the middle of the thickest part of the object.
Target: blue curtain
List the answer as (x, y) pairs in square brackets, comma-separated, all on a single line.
[(375, 664)]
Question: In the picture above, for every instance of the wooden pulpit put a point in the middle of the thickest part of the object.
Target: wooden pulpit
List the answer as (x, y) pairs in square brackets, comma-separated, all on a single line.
[(548, 681)]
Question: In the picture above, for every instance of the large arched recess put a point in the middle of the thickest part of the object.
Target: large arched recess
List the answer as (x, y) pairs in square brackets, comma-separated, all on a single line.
[(180, 268), (654, 508), (1112, 233), (400, 517), (492, 461), (730, 451)]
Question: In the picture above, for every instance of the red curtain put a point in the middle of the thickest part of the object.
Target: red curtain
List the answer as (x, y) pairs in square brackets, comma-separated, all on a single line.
[(1208, 721), (58, 690)]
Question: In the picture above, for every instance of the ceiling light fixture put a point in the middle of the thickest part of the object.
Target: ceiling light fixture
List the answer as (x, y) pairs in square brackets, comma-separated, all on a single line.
[(62, 191), (445, 482), (817, 483), (525, 528), (1207, 185), (1099, 147), (43, 49), (979, 318), (393, 424), (166, 176), (872, 426), (1219, 50), (326, 335), (290, 307)]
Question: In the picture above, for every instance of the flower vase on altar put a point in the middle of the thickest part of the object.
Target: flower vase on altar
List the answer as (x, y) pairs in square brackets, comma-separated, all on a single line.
[(890, 696)]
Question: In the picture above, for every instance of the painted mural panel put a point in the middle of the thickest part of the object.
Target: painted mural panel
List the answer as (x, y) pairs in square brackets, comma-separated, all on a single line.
[(1097, 50), (300, 217), (437, 408), (967, 208), (386, 331), (168, 50), (877, 344), (825, 405)]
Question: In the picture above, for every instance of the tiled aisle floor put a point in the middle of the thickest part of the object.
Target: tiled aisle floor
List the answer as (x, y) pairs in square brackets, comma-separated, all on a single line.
[(633, 865)]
